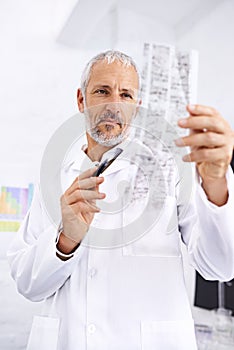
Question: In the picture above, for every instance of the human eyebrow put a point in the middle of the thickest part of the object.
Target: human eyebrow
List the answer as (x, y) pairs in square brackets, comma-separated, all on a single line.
[(128, 90), (100, 87)]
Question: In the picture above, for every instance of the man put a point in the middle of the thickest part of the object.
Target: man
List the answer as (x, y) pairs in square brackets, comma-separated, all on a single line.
[(130, 296)]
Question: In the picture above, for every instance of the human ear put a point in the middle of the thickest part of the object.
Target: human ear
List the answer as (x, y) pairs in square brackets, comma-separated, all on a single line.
[(80, 100), (138, 106)]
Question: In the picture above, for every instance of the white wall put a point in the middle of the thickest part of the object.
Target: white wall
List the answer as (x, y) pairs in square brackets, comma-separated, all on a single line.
[(213, 38), (134, 29)]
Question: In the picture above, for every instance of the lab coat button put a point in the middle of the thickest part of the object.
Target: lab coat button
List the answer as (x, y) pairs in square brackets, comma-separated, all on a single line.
[(92, 272), (91, 328)]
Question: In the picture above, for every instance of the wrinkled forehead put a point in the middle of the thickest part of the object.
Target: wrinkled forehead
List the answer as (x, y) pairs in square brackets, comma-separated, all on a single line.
[(105, 73)]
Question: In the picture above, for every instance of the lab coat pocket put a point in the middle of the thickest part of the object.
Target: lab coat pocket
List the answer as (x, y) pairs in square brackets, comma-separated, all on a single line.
[(168, 335), (44, 333), (159, 235)]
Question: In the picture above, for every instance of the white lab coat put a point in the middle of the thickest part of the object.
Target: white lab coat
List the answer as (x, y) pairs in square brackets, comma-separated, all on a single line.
[(128, 298)]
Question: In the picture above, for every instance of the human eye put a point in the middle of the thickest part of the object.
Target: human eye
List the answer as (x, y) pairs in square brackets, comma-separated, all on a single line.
[(101, 92), (127, 95)]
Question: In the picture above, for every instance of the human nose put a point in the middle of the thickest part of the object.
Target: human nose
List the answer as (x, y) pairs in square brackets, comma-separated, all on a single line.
[(113, 105)]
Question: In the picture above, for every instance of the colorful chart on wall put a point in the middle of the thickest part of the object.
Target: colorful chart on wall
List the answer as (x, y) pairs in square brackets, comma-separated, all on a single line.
[(14, 204)]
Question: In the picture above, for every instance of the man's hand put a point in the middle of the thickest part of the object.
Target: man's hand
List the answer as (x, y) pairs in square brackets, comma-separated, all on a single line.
[(78, 206), (211, 140)]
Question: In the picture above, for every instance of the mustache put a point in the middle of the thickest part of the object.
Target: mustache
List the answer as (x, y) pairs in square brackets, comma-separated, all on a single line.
[(109, 115)]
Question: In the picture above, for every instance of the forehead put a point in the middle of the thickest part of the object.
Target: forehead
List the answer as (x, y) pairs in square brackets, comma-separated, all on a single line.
[(105, 73)]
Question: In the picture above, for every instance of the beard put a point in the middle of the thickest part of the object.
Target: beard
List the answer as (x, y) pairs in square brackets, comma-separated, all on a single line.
[(108, 129)]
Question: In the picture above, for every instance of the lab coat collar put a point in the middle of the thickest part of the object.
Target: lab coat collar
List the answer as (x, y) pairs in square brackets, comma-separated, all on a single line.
[(77, 156)]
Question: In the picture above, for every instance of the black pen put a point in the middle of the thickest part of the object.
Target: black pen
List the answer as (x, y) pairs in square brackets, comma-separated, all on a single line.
[(107, 162)]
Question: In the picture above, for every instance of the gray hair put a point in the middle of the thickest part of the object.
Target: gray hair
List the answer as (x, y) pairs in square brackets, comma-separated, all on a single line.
[(110, 56)]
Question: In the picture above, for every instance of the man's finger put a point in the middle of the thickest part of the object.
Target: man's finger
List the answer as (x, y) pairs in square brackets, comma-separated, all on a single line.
[(86, 174), (203, 122), (82, 195), (84, 207), (206, 155), (201, 110), (85, 184), (202, 139)]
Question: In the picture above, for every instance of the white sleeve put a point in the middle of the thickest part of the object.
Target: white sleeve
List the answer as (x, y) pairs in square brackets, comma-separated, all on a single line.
[(208, 232), (35, 267)]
